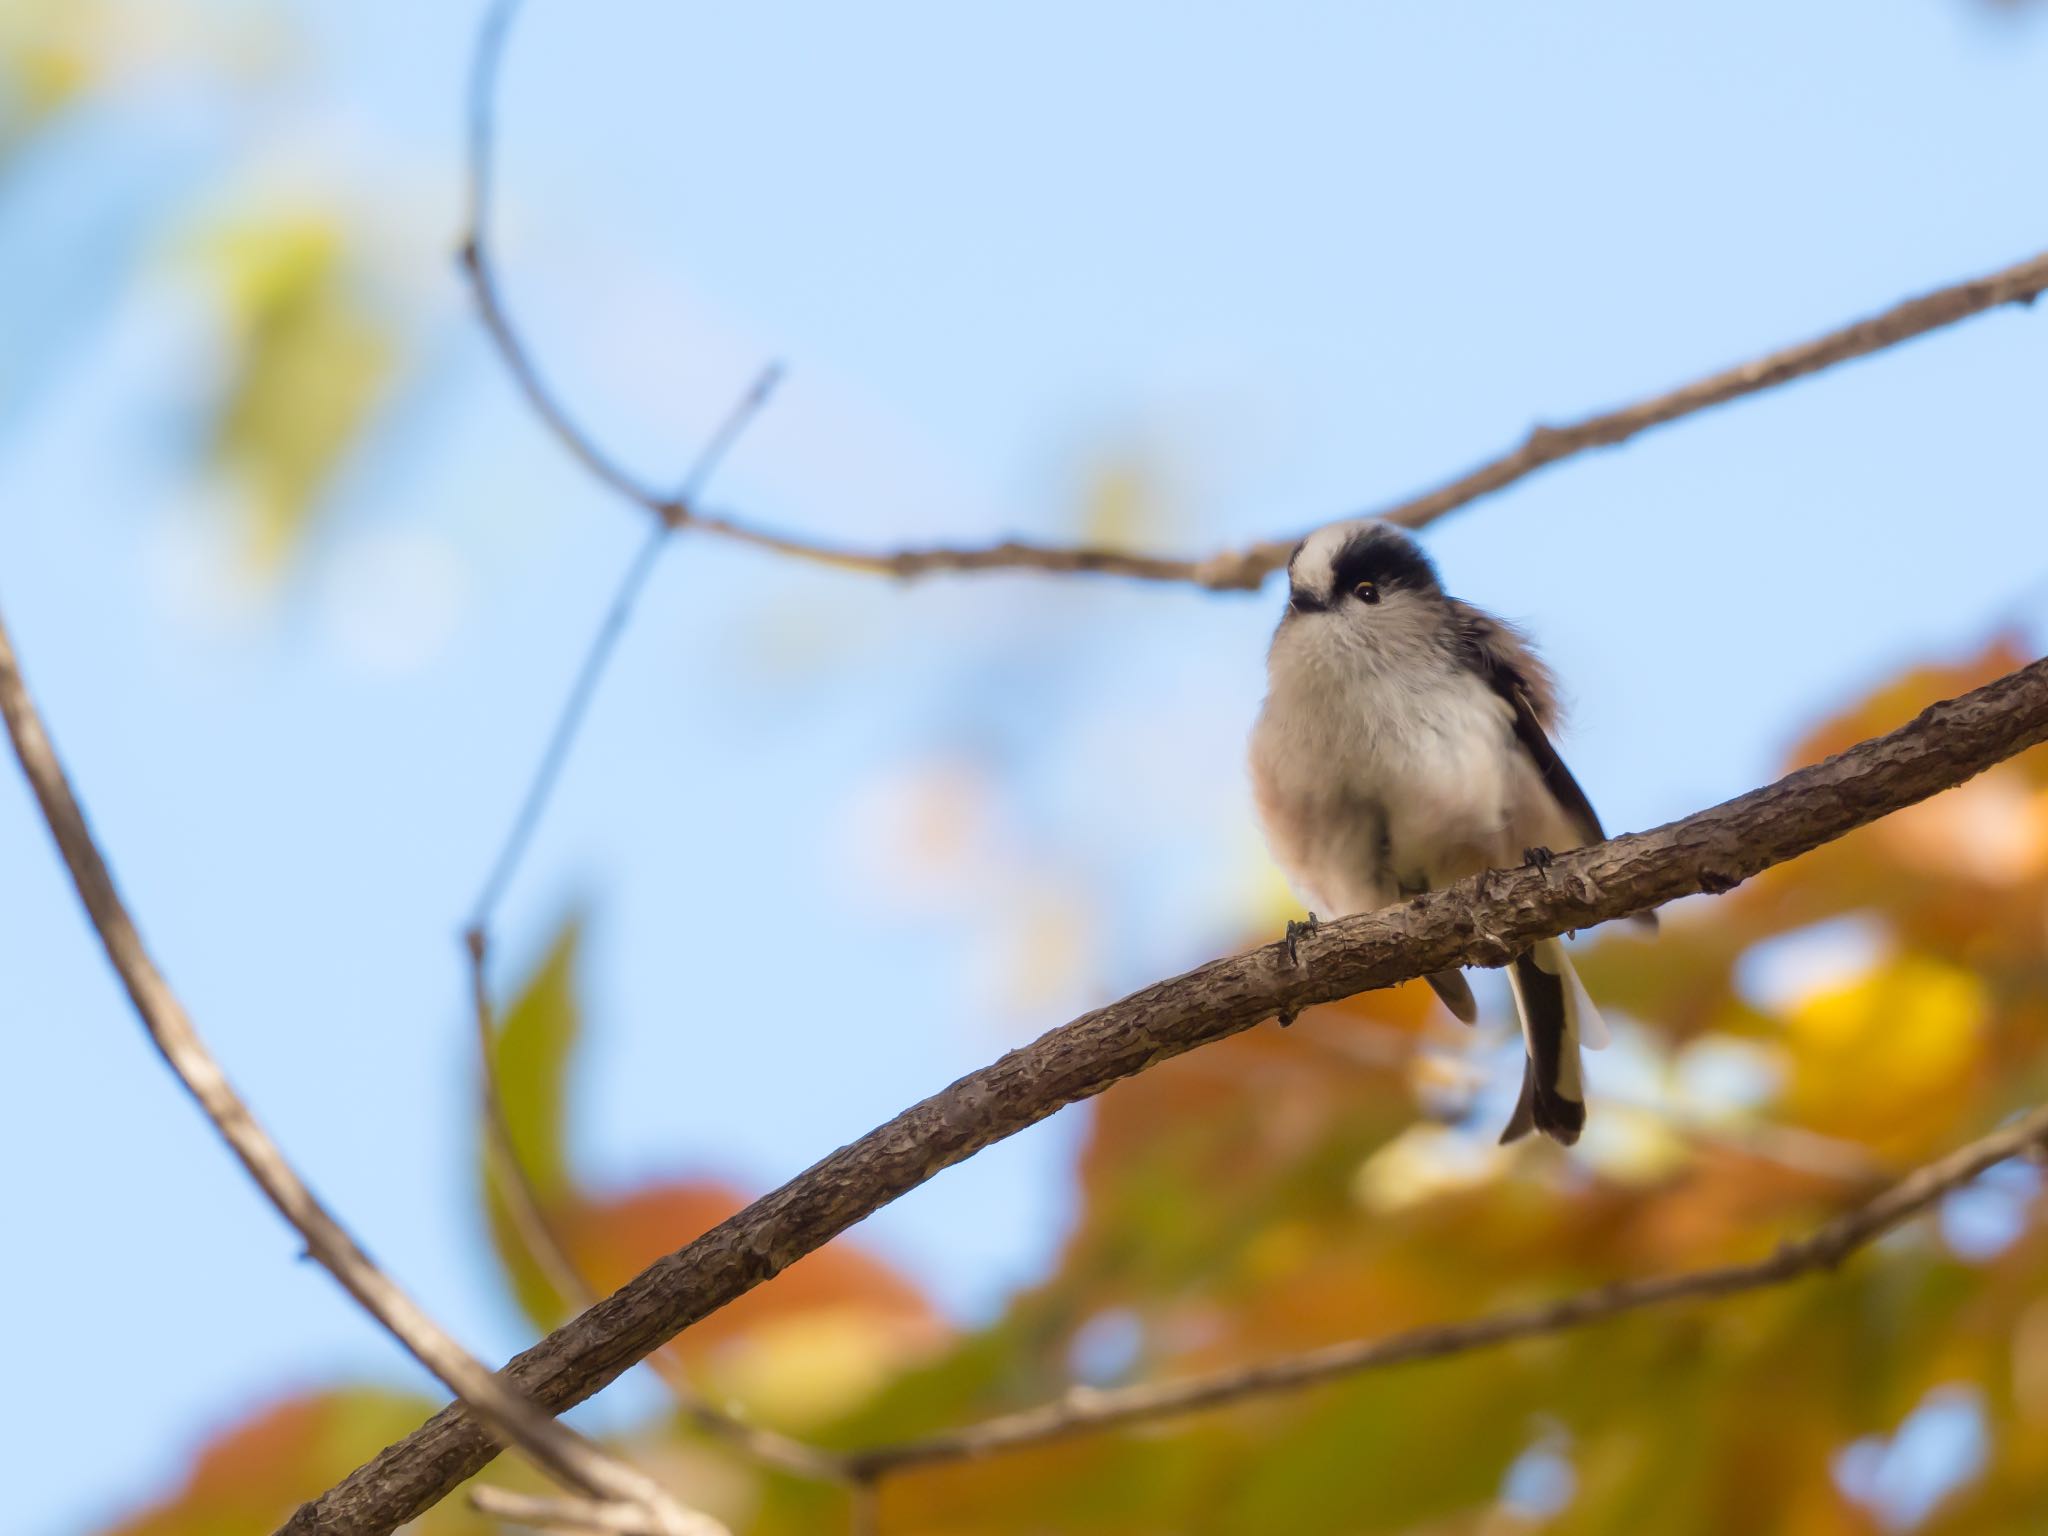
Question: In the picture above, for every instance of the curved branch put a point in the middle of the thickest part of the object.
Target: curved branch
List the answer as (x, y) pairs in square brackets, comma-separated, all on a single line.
[(1242, 570), (1482, 921), (1230, 570), (1086, 1410), (552, 1445)]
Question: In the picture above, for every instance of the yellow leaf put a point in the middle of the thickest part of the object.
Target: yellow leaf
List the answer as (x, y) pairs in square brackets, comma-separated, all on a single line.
[(813, 1367), (1877, 1052), (1121, 509), (311, 360)]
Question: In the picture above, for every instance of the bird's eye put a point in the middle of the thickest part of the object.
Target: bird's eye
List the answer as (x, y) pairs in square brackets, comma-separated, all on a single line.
[(1367, 591)]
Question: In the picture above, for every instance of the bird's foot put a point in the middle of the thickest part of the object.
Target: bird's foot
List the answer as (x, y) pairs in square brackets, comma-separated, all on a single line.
[(1537, 858), (1296, 932)]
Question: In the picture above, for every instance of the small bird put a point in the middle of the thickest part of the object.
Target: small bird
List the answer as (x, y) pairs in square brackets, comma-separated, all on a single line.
[(1404, 745)]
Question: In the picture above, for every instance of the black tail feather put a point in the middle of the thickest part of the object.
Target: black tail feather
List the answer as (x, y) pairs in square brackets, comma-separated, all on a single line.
[(1543, 1105), (1456, 993)]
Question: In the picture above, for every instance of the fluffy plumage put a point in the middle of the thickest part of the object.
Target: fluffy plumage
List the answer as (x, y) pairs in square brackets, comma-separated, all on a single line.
[(1404, 745)]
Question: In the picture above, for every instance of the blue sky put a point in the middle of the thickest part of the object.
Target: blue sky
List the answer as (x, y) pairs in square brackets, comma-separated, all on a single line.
[(840, 840)]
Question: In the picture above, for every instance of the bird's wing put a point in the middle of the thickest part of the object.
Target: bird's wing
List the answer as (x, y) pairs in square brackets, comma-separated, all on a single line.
[(1500, 656), (1556, 777)]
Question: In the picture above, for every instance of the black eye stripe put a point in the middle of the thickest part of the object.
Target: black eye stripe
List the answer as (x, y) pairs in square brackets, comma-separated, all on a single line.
[(1386, 560)]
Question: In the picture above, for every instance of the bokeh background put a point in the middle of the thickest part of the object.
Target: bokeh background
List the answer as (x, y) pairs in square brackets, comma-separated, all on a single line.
[(301, 583)]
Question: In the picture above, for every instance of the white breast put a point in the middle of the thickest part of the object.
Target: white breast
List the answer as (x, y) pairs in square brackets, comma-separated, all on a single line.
[(1370, 779), (1439, 759)]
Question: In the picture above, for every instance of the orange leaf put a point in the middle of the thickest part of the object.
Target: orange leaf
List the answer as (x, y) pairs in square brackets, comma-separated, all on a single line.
[(614, 1238), (253, 1474)]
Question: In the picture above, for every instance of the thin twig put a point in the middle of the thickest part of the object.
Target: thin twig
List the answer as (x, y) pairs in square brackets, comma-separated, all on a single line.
[(558, 1450), (1086, 1410), (597, 657), (1482, 921), (2020, 283), (584, 1517), (568, 724), (723, 440), (1228, 570), (1244, 569), (490, 49), (768, 1447)]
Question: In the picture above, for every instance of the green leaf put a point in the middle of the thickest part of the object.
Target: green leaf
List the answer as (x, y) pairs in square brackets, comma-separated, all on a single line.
[(312, 357), (530, 1051)]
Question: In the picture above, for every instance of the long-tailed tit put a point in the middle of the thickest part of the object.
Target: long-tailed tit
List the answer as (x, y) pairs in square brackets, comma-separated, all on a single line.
[(1403, 746)]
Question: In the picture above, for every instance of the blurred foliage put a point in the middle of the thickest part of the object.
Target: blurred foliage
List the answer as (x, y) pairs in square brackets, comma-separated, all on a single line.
[(1786, 1048), (310, 357), (533, 1044), (310, 330), (1122, 503), (252, 1475), (59, 55), (51, 53)]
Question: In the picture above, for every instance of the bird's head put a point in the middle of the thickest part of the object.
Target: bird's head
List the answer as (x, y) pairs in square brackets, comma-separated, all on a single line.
[(1359, 576)]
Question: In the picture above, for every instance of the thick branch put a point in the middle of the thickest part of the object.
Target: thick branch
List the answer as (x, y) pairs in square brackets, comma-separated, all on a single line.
[(553, 1446), (1479, 922), (1085, 1410), (1229, 570)]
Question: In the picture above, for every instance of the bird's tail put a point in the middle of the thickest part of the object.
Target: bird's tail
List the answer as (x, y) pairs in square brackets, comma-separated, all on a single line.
[(1557, 1018)]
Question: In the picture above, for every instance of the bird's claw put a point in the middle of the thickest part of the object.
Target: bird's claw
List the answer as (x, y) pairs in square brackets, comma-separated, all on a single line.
[(1537, 858), (1296, 932)]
